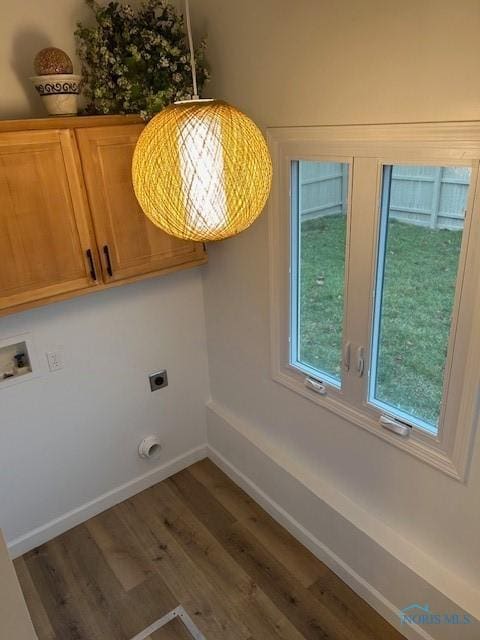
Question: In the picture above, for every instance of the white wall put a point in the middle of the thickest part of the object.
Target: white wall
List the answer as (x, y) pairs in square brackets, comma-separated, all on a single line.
[(25, 28), (70, 436), (67, 438), (311, 63)]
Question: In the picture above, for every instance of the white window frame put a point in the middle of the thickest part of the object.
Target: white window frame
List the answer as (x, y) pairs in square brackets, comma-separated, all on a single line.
[(367, 149)]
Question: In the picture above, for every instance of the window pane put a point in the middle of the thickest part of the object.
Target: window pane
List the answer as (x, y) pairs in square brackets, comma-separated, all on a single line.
[(319, 214), (422, 219)]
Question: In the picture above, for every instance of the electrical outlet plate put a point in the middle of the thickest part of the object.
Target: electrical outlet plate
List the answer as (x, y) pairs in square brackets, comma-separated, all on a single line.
[(55, 359), (158, 380)]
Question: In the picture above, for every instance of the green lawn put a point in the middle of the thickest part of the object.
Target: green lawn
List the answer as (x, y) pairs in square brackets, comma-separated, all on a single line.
[(419, 287)]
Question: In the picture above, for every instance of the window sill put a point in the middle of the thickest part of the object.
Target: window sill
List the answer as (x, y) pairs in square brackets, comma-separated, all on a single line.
[(415, 445)]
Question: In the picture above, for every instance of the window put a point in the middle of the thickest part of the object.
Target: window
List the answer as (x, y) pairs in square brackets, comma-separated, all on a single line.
[(421, 228), (319, 225), (374, 295)]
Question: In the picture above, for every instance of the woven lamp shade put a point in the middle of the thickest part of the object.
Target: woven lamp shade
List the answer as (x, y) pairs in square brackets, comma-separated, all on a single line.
[(202, 170)]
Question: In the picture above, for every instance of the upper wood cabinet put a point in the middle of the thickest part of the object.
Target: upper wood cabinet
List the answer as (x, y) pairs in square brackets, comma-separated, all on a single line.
[(129, 243), (69, 219), (44, 222)]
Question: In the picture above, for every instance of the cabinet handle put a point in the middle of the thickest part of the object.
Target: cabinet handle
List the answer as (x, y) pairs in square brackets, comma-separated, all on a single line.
[(93, 273), (109, 262)]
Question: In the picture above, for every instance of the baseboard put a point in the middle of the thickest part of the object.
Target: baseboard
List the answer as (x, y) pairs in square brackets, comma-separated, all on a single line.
[(387, 588), (59, 525)]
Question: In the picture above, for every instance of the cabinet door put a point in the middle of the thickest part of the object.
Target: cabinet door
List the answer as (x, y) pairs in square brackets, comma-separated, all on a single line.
[(46, 246), (130, 245)]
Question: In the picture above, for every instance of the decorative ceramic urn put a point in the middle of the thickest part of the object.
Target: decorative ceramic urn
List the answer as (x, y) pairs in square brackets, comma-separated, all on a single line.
[(56, 83)]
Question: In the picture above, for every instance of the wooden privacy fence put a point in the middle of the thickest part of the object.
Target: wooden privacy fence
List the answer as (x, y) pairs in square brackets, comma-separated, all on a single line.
[(434, 197), (323, 188)]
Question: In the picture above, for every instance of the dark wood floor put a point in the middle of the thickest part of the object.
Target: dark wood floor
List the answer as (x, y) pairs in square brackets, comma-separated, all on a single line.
[(195, 539)]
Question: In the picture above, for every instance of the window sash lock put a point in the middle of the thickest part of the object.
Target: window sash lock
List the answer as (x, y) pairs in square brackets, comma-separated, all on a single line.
[(360, 361)]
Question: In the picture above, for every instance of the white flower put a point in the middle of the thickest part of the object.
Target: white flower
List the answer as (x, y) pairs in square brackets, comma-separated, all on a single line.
[(155, 48)]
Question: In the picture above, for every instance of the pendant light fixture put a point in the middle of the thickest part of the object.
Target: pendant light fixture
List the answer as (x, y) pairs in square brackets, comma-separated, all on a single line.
[(201, 168)]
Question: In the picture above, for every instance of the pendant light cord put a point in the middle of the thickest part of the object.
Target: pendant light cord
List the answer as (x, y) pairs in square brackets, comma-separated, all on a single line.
[(192, 53)]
